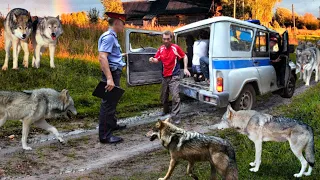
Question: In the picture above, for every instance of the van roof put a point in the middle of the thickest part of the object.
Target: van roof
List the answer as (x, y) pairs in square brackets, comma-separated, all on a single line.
[(219, 19)]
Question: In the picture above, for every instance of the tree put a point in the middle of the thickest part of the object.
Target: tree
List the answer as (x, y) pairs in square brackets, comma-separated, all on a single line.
[(93, 15), (112, 6), (283, 16), (310, 21), (262, 9)]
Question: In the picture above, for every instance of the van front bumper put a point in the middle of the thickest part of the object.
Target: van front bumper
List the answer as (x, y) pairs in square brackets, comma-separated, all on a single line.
[(217, 99)]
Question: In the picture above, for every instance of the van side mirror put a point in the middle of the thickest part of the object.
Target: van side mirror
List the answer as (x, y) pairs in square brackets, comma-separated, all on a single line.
[(291, 48)]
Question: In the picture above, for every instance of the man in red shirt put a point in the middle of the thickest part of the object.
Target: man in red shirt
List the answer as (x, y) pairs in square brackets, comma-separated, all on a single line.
[(169, 54)]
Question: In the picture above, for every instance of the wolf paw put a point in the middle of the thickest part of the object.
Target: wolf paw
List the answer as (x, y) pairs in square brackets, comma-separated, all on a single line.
[(15, 68), (253, 164), (254, 169), (297, 175), (4, 68), (27, 148), (307, 174), (61, 140), (161, 179), (53, 66), (25, 65)]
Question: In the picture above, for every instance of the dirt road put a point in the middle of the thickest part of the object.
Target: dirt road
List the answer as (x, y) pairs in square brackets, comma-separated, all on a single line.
[(83, 156)]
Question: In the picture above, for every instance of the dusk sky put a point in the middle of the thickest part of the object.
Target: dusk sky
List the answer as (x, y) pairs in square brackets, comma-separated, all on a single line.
[(56, 7)]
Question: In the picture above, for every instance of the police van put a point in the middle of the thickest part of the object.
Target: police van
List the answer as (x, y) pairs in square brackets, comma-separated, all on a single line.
[(240, 61)]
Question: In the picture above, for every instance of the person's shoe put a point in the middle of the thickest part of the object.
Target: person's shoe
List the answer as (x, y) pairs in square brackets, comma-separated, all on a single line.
[(175, 120), (120, 127), (111, 140)]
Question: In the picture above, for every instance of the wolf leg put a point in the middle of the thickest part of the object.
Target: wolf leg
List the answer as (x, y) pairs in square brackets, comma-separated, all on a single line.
[(37, 50), (257, 161), (190, 170), (26, 123), (3, 119), (308, 77), (172, 165), (44, 125), (8, 44), (15, 44), (52, 49), (309, 171), (297, 148), (25, 48)]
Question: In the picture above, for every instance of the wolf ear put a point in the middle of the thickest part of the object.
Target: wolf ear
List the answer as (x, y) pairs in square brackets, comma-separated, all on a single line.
[(15, 17), (58, 17), (167, 120), (230, 112), (64, 95), (159, 124)]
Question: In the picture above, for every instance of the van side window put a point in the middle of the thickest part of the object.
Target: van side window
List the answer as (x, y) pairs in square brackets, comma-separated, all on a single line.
[(240, 38), (261, 45)]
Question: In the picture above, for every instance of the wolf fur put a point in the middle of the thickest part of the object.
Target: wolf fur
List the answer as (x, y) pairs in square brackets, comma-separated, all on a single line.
[(34, 107), (193, 147), (17, 28), (309, 61), (46, 33), (261, 127)]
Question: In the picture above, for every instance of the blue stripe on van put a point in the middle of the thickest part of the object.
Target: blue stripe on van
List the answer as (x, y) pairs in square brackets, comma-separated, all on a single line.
[(236, 64)]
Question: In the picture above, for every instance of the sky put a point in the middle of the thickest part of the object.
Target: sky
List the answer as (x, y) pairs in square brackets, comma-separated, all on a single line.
[(56, 7)]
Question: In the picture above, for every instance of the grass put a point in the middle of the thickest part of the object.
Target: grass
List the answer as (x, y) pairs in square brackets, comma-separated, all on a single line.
[(80, 78), (278, 161)]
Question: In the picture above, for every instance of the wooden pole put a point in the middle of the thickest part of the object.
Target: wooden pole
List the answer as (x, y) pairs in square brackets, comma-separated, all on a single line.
[(294, 21), (8, 8), (234, 8)]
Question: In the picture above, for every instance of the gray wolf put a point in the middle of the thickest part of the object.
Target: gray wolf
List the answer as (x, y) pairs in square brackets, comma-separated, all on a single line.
[(34, 107), (309, 61), (261, 127), (17, 28), (45, 34), (193, 147)]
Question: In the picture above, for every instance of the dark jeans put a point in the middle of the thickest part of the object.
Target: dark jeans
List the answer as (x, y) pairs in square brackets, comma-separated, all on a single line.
[(170, 84), (204, 64), (107, 119)]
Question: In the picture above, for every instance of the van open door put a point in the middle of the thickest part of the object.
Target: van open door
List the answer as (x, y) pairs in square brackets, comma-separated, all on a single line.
[(140, 46)]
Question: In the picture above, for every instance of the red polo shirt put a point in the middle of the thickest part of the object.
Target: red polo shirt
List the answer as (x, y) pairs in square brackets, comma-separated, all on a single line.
[(169, 57)]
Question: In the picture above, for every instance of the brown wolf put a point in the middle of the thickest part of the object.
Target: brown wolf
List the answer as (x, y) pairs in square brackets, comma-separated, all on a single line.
[(193, 147)]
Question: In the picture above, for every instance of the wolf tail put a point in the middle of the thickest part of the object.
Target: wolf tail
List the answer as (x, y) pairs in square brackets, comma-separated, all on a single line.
[(310, 149), (232, 171)]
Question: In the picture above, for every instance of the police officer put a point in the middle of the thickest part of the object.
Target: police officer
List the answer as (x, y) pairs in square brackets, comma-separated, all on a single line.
[(111, 63)]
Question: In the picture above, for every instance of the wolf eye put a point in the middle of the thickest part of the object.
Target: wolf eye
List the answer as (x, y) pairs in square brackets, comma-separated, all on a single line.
[(20, 27), (49, 27)]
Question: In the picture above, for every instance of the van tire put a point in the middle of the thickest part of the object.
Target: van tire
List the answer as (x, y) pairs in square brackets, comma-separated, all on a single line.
[(246, 99), (288, 91)]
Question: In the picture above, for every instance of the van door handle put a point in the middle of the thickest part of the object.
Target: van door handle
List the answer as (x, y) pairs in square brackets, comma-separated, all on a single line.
[(256, 62)]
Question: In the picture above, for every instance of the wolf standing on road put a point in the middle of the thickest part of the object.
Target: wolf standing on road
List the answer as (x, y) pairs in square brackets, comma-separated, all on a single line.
[(111, 65), (17, 28), (169, 54)]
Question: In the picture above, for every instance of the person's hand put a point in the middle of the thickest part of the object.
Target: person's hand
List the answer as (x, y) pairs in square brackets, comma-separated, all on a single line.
[(110, 84), (151, 59), (186, 72)]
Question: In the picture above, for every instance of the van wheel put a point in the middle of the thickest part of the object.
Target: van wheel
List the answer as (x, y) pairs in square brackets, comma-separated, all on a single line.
[(288, 91), (246, 99)]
